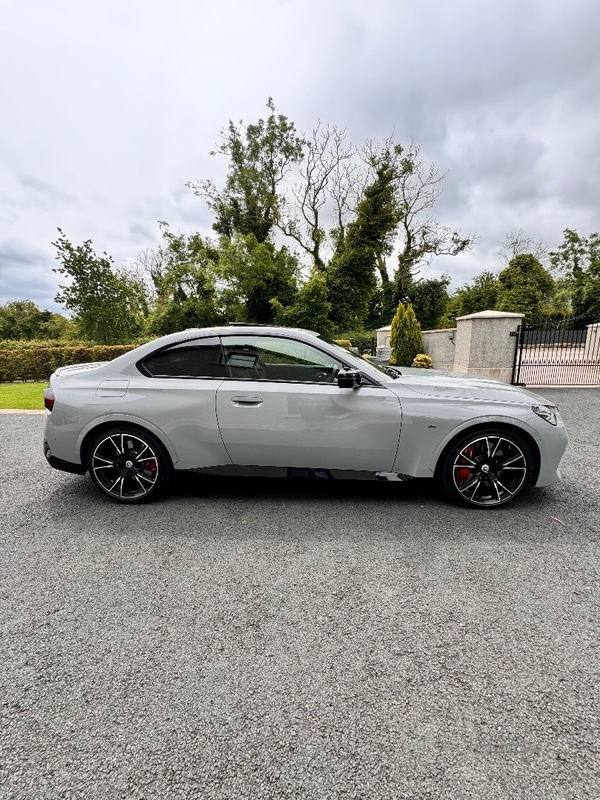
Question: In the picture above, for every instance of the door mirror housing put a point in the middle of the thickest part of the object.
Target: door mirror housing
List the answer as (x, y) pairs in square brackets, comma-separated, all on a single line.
[(349, 378)]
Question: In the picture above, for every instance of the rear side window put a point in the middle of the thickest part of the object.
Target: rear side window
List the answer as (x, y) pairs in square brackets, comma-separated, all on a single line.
[(199, 359)]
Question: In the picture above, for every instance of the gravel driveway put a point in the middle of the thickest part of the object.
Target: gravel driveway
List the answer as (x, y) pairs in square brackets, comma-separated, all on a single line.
[(298, 639)]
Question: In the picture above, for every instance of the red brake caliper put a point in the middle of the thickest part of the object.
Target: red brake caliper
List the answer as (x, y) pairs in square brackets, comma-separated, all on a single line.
[(463, 475)]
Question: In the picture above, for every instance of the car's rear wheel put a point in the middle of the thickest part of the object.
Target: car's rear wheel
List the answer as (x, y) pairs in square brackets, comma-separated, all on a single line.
[(129, 465), (486, 469)]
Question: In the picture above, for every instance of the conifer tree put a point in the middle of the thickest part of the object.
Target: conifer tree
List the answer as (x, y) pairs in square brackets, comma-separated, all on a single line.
[(405, 338)]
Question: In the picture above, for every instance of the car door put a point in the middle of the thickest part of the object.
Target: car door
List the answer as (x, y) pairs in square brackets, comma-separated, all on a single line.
[(177, 392), (281, 406)]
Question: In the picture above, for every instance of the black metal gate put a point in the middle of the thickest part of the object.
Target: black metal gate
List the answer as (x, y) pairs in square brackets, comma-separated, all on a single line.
[(562, 353)]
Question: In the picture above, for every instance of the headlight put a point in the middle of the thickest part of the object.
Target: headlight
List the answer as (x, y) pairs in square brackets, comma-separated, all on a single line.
[(549, 413)]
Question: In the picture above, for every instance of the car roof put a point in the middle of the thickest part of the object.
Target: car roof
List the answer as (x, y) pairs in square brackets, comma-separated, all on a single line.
[(236, 328)]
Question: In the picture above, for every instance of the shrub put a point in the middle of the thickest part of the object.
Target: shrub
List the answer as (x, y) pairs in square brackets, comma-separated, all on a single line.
[(423, 361), (405, 337), (343, 342), (38, 363)]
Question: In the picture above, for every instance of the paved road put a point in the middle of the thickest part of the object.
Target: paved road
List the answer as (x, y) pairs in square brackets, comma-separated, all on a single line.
[(271, 639)]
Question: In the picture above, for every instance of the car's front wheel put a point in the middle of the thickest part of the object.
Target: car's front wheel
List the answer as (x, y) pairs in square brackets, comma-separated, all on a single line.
[(129, 465), (487, 469)]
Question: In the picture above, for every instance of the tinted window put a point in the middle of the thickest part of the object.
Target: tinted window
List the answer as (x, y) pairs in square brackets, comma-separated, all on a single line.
[(277, 359), (201, 359)]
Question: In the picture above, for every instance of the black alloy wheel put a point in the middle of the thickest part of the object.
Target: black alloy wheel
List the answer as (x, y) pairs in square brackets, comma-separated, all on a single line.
[(129, 465), (487, 469)]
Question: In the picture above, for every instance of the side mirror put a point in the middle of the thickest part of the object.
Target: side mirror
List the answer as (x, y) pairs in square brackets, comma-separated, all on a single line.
[(349, 379)]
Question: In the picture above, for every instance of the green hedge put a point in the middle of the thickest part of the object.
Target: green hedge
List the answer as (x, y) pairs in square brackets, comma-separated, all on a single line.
[(35, 344), (363, 340), (38, 363)]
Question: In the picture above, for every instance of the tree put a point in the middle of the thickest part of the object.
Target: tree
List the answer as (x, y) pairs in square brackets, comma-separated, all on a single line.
[(429, 299), (517, 243), (405, 337), (421, 235), (525, 286), (22, 319), (479, 295), (327, 183), (184, 273), (351, 275), (311, 309), (256, 273), (109, 306), (261, 156), (578, 260)]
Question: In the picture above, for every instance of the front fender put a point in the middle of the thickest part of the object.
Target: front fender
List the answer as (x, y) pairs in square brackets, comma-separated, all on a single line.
[(513, 422), (423, 442)]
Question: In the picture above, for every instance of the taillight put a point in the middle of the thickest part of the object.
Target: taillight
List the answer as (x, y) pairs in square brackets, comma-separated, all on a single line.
[(48, 399)]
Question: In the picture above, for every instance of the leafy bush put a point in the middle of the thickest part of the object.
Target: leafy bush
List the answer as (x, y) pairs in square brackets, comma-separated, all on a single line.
[(343, 342), (423, 361)]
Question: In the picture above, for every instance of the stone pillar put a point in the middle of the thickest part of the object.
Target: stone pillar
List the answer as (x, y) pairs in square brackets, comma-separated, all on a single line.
[(484, 346)]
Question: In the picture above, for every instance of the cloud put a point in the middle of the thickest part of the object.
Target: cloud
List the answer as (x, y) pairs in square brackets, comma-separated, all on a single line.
[(111, 108)]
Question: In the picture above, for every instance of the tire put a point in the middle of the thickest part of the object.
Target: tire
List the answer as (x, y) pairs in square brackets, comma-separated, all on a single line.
[(129, 465), (487, 468)]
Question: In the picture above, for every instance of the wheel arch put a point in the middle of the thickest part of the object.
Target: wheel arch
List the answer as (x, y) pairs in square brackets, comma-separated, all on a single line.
[(107, 424), (505, 427)]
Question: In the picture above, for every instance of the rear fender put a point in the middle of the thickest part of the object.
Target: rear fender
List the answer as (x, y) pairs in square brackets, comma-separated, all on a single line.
[(123, 419)]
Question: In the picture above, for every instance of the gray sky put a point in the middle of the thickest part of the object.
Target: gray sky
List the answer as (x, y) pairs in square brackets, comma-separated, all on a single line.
[(110, 107)]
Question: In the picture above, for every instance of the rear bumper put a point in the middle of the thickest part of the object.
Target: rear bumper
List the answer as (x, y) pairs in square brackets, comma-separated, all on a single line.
[(61, 464)]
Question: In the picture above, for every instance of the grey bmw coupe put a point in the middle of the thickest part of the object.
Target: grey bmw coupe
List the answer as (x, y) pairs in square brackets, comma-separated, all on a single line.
[(287, 402)]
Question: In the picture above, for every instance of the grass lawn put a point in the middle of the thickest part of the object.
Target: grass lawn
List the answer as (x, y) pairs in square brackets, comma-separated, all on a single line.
[(22, 395)]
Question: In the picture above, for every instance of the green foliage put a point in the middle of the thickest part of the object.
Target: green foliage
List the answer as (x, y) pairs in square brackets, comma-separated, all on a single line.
[(479, 295), (351, 275), (525, 287), (257, 273), (184, 275), (362, 340), (173, 316), (578, 260), (382, 305), (429, 299), (422, 361), (22, 320), (35, 344), (405, 337), (109, 307), (310, 310), (343, 342), (260, 157), (38, 363)]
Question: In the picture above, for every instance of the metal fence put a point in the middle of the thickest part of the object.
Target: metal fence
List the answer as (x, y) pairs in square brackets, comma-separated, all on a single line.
[(559, 353)]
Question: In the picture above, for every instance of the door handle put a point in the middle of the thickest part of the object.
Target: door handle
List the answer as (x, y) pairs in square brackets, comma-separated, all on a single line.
[(246, 401)]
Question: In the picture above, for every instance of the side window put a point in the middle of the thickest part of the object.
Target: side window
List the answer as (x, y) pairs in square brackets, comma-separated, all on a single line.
[(200, 359), (277, 359)]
